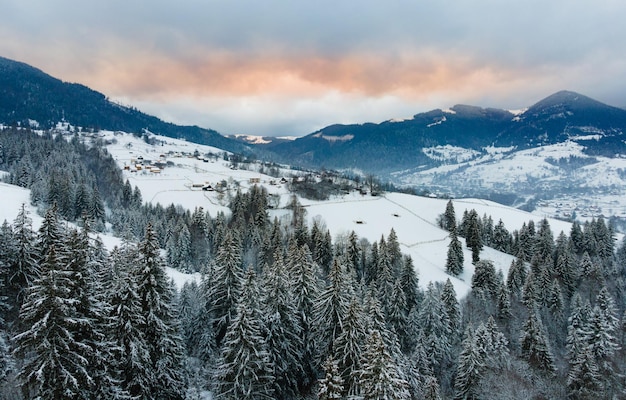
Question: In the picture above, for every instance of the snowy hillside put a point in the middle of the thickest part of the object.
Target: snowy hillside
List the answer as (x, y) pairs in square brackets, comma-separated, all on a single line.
[(552, 175), (182, 178)]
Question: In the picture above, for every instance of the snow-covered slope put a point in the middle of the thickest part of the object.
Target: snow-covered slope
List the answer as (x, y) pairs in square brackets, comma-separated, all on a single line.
[(413, 218), (552, 174)]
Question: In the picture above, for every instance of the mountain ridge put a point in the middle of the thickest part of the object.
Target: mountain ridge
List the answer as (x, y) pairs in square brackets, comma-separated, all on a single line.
[(27, 93), (394, 145)]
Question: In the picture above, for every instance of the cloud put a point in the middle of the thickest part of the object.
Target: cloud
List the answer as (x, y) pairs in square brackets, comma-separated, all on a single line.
[(323, 60)]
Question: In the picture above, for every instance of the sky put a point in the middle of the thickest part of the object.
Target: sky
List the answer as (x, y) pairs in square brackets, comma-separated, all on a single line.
[(289, 68)]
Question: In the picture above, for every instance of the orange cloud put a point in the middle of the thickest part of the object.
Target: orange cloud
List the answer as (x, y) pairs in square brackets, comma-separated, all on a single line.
[(226, 74)]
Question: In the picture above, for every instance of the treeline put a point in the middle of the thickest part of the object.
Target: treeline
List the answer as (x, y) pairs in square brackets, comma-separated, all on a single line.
[(283, 310), (561, 309)]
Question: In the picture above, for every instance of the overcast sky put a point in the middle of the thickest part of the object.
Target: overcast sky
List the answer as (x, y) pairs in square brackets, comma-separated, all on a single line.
[(291, 67)]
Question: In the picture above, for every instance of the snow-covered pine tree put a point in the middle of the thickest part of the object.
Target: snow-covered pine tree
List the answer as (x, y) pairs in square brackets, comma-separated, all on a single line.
[(534, 344), (435, 325), (455, 259), (22, 269), (380, 377), (410, 283), (90, 313), (282, 328), (451, 305), (128, 322), (161, 326), (485, 278), (584, 379), (398, 316), (57, 364), (470, 368), (306, 288), (448, 220), (473, 237), (245, 370), (348, 346), (502, 240), (516, 277), (225, 285), (330, 309), (330, 387)]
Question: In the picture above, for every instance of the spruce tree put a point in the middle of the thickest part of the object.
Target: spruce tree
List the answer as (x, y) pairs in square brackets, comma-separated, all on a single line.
[(128, 322), (534, 344), (380, 377), (348, 348), (448, 221), (244, 369), (435, 325), (470, 368), (282, 329), (584, 379), (57, 364), (330, 387), (485, 278), (224, 285), (306, 288), (410, 283), (164, 344), (451, 304), (473, 235), (330, 310), (22, 269), (454, 261)]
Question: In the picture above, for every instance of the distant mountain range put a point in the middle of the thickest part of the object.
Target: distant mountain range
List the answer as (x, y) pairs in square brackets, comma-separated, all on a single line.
[(464, 150), (391, 146), (28, 94)]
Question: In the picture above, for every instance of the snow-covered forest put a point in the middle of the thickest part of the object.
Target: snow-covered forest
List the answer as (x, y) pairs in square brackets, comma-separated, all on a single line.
[(284, 310)]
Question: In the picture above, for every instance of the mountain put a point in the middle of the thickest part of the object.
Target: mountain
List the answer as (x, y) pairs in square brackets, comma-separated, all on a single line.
[(397, 145), (27, 94)]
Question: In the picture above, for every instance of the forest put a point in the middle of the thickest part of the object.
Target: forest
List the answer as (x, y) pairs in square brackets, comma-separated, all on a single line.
[(283, 310)]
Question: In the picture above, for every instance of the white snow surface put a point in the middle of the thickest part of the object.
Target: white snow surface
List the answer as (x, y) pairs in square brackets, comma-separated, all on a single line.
[(330, 138), (413, 218)]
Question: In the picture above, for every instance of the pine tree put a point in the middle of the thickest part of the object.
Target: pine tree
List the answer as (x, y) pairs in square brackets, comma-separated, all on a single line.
[(57, 366), (283, 330), (485, 278), (470, 368), (306, 289), (128, 322), (501, 238), (448, 221), (504, 312), (451, 304), (410, 283), (225, 285), (160, 327), (455, 259), (91, 323), (534, 344), (398, 315), (330, 387), (603, 326), (545, 240), (22, 269), (348, 348), (380, 377), (567, 272), (330, 309), (473, 236), (516, 277), (244, 370), (435, 325), (577, 238), (584, 379)]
